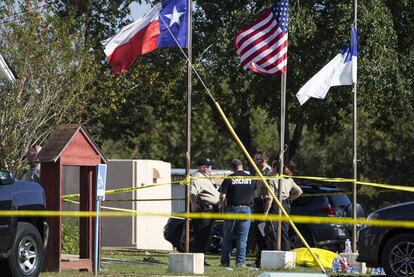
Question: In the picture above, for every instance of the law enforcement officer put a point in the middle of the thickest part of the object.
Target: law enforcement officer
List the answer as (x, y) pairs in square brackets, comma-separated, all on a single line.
[(204, 198), (237, 197), (290, 191), (262, 204)]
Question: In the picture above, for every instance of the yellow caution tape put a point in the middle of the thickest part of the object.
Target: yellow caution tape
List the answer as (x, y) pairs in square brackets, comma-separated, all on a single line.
[(344, 192), (144, 200), (185, 182), (345, 180), (347, 192), (394, 187), (118, 212), (131, 212), (213, 177), (325, 179), (188, 179), (305, 219), (322, 179), (121, 190)]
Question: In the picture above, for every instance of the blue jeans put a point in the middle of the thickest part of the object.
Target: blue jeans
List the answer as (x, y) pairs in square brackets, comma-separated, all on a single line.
[(238, 229)]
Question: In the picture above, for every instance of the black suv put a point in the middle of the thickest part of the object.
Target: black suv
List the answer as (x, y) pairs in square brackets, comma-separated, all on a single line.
[(389, 247), (316, 200), (22, 238), (323, 201)]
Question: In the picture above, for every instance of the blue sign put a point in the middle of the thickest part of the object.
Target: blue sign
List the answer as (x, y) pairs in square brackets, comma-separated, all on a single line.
[(101, 181)]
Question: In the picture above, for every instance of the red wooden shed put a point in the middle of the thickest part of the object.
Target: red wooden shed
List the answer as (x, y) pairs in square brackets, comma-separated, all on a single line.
[(69, 145)]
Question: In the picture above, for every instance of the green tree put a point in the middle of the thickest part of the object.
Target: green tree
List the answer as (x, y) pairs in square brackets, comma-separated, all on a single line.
[(53, 73), (317, 30), (143, 112)]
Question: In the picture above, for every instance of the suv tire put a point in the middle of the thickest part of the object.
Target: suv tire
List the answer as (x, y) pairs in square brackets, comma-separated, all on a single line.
[(398, 255), (26, 257)]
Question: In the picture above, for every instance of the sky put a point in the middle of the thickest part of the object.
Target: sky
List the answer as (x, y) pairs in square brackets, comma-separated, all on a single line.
[(138, 10)]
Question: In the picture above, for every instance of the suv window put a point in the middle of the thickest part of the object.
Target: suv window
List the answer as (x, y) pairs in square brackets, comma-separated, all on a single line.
[(5, 178), (319, 201), (302, 201), (340, 200)]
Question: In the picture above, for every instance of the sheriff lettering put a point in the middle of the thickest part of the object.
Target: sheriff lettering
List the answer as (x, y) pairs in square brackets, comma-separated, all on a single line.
[(240, 181)]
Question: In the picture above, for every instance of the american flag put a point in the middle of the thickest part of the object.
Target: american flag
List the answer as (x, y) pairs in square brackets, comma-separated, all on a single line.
[(262, 45)]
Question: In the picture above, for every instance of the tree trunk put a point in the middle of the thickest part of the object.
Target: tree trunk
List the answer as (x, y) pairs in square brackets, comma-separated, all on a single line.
[(242, 127), (295, 141)]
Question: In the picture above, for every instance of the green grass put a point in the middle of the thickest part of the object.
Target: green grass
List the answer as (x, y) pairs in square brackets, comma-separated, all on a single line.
[(119, 263)]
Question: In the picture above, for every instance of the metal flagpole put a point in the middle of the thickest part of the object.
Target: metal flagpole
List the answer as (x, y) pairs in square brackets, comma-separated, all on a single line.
[(354, 129), (282, 153), (188, 154)]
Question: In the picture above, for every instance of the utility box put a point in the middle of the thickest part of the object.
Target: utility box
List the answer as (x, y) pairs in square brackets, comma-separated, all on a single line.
[(141, 231)]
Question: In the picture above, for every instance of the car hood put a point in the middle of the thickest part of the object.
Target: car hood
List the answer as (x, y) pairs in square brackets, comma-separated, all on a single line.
[(402, 211)]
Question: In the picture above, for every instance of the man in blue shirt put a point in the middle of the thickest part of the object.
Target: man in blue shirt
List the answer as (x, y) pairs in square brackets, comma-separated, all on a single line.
[(236, 197)]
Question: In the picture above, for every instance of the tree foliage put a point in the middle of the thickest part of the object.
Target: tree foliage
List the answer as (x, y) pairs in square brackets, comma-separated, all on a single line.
[(150, 98), (53, 71)]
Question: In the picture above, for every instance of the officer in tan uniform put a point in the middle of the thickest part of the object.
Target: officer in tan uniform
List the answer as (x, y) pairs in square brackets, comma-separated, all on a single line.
[(262, 205), (290, 191), (204, 198)]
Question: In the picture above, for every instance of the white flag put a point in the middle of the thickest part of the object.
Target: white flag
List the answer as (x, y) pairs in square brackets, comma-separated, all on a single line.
[(341, 70), (5, 72)]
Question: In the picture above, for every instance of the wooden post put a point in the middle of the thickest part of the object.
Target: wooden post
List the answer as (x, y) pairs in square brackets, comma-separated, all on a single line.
[(50, 178)]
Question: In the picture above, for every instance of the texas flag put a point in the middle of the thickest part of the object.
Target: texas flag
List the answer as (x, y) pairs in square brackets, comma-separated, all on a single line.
[(165, 25)]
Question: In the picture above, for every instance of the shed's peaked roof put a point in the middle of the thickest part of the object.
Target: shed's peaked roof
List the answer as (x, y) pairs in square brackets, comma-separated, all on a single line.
[(60, 138)]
